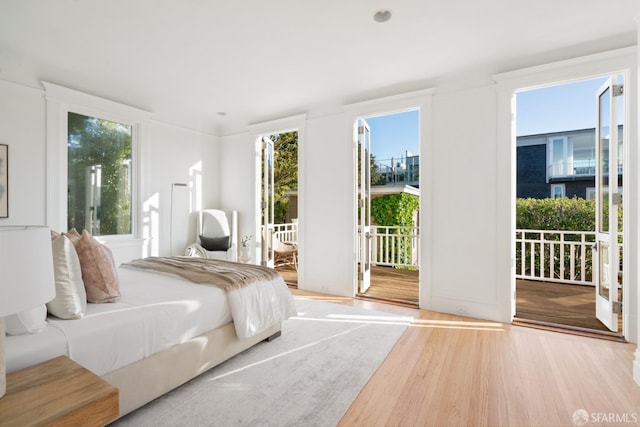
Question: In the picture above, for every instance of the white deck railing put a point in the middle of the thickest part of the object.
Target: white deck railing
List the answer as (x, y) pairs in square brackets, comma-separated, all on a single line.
[(391, 246), (555, 256), (287, 232), (395, 246)]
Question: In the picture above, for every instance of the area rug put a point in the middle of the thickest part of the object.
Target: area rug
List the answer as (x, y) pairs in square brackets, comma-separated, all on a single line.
[(307, 377)]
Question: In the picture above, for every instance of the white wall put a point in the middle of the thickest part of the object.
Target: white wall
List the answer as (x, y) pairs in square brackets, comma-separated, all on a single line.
[(238, 179), (329, 245), (171, 154), (178, 155), (22, 128), (462, 180)]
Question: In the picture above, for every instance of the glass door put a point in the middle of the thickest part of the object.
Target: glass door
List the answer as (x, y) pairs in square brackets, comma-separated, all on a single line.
[(267, 202), (606, 250), (362, 138)]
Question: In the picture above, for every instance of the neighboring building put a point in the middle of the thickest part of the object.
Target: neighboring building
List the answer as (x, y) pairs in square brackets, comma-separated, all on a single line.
[(558, 164), (402, 170)]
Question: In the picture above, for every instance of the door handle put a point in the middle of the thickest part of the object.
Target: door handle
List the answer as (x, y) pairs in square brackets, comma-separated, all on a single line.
[(595, 247)]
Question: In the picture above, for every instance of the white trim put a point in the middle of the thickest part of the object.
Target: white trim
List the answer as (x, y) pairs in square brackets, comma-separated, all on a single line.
[(570, 70), (256, 131), (622, 61), (284, 124), (422, 101), (390, 104), (59, 102), (113, 110)]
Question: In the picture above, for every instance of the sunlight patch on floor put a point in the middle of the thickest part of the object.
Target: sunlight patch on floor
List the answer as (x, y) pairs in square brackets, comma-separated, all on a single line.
[(458, 324)]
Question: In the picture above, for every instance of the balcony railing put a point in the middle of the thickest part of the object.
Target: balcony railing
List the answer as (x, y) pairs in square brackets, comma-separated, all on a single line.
[(394, 246), (287, 232), (585, 167), (555, 256)]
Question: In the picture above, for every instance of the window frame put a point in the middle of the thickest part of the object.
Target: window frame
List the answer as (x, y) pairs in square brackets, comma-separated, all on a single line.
[(567, 157), (562, 191), (60, 102)]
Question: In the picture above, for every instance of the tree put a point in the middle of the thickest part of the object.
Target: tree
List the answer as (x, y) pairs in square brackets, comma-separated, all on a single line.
[(99, 154), (285, 172), (375, 176)]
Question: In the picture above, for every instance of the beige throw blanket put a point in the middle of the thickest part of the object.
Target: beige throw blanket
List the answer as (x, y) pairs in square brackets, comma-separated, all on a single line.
[(222, 274)]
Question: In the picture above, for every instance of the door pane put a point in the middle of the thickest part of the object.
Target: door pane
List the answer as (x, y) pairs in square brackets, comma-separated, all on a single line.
[(604, 270), (603, 146)]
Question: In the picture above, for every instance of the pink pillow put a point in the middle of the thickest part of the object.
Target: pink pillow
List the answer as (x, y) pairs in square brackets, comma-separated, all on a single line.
[(73, 235), (98, 268)]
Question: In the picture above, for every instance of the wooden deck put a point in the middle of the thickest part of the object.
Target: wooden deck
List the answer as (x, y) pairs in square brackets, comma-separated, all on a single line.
[(387, 283), (540, 304), (391, 284)]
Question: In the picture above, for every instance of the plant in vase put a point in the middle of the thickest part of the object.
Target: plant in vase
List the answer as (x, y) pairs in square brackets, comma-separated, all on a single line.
[(245, 249)]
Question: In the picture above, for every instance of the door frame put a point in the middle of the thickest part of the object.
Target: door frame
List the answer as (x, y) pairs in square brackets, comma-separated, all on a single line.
[(420, 100), (621, 61), (253, 220)]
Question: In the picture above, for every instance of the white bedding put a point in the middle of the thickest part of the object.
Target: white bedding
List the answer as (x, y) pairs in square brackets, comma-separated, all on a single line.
[(155, 312), (22, 351)]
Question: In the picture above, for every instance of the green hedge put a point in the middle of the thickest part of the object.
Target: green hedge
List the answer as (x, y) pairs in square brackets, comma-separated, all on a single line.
[(559, 214), (396, 210)]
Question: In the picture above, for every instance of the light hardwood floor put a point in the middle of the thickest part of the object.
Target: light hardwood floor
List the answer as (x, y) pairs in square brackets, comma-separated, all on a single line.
[(454, 371)]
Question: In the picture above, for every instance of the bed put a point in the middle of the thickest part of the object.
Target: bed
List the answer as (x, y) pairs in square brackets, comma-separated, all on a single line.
[(163, 331)]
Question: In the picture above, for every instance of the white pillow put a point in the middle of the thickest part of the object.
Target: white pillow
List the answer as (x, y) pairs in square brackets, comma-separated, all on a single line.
[(27, 322), (71, 297)]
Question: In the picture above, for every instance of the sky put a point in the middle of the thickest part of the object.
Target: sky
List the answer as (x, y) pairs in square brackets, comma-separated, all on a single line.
[(550, 109), (557, 108), (392, 135)]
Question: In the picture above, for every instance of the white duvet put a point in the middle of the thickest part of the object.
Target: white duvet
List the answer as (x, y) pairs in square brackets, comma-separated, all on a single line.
[(155, 312)]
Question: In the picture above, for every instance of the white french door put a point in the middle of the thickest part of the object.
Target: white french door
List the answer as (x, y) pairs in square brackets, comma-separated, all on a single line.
[(606, 262), (362, 140), (267, 202)]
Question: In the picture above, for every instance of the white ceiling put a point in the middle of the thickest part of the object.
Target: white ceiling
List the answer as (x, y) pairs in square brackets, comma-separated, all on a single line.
[(256, 60)]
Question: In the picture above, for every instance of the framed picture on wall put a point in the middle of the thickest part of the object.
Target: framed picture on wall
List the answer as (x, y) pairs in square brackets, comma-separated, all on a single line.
[(4, 181)]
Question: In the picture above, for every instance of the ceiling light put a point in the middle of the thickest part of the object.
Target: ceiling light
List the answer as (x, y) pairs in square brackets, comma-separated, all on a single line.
[(383, 15)]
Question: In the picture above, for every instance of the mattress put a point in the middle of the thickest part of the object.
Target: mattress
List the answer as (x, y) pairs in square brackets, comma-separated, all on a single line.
[(155, 312)]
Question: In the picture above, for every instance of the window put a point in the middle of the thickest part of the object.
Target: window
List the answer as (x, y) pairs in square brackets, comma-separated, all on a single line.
[(98, 175), (94, 164), (557, 191), (560, 157)]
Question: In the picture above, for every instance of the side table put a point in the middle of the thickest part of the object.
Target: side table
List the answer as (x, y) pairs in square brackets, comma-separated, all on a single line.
[(55, 393)]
